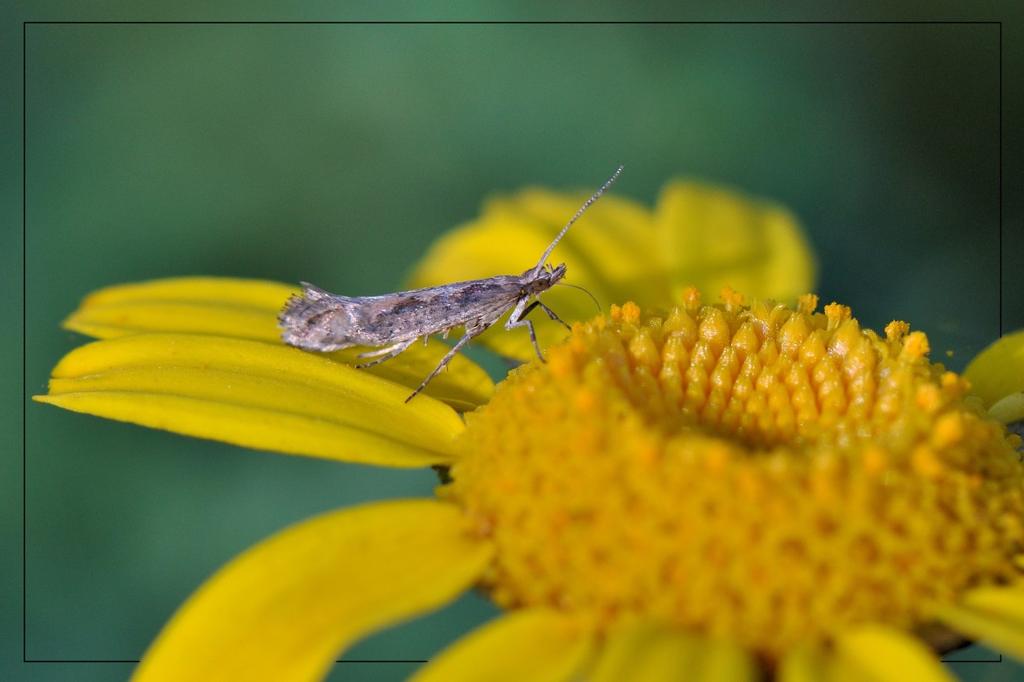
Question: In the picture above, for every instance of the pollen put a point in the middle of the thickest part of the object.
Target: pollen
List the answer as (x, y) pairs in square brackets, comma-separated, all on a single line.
[(755, 471)]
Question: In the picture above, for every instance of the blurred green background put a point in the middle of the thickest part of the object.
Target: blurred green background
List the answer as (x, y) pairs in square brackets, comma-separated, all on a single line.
[(337, 153)]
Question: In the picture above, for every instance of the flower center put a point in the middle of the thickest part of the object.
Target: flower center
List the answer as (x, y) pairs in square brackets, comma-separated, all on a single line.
[(757, 472)]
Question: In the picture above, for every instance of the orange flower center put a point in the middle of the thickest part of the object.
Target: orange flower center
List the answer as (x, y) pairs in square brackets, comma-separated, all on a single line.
[(759, 472)]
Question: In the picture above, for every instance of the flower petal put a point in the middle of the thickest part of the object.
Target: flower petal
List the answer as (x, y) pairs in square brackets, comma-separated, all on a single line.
[(254, 394), (225, 306), (803, 664), (649, 651), (887, 654), (1009, 410), (710, 237), (613, 244), (248, 309), (607, 252), (1006, 602), (726, 660), (998, 371), (1000, 633), (646, 651), (844, 670), (287, 607), (535, 644), (994, 615), (620, 251)]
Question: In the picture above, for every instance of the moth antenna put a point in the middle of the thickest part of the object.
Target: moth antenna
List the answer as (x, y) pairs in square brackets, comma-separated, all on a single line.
[(583, 208), (577, 286)]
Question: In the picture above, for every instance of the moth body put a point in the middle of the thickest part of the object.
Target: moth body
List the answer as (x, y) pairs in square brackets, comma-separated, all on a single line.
[(321, 321)]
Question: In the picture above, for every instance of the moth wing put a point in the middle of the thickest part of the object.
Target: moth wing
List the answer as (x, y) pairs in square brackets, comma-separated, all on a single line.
[(319, 320)]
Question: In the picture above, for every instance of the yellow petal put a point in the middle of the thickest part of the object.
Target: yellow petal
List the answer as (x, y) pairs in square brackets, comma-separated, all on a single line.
[(646, 652), (889, 655), (248, 309), (245, 308), (286, 608), (987, 626), (649, 651), (711, 238), (723, 660), (606, 252), (1009, 409), (844, 670), (998, 371), (621, 251), (255, 394), (803, 664), (1004, 602), (613, 242), (536, 644)]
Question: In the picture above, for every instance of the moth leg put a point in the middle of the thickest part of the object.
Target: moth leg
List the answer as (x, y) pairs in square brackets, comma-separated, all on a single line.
[(445, 360), (533, 335), (379, 351), (384, 353), (550, 312), (516, 320)]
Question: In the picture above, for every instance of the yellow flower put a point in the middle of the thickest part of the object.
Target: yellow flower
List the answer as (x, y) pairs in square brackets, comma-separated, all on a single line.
[(773, 478), (707, 491)]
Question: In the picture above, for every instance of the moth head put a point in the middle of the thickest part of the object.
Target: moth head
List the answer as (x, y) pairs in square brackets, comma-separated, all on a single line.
[(536, 282)]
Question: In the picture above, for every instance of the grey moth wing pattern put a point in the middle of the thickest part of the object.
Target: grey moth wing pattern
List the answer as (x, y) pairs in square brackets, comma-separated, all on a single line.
[(318, 320)]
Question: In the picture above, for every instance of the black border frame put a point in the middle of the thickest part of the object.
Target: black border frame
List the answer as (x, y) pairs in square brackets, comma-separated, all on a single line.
[(26, 24)]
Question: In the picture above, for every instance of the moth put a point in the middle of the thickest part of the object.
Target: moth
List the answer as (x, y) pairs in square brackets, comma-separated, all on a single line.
[(321, 321)]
